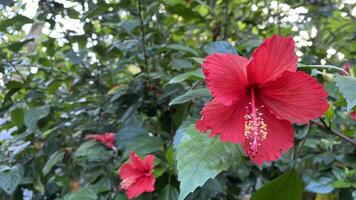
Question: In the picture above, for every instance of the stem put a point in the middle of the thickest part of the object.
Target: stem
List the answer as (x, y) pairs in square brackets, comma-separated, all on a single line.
[(143, 38), (226, 18), (300, 149), (329, 129)]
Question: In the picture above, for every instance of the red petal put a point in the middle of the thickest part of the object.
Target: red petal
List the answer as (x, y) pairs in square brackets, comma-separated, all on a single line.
[(149, 162), (127, 171), (136, 162), (226, 121), (274, 56), (226, 76), (144, 184), (295, 96), (279, 138)]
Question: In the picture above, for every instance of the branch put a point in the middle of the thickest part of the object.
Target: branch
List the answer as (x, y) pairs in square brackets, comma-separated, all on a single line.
[(335, 132), (143, 38)]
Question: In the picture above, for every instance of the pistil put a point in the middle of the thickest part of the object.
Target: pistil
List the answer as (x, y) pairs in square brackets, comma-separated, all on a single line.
[(255, 127)]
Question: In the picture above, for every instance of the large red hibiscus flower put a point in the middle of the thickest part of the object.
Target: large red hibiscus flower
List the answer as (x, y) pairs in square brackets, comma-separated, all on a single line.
[(256, 101), (137, 175)]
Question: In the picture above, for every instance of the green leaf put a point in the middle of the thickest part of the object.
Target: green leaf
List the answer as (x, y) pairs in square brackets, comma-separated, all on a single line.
[(191, 94), (180, 64), (347, 86), (193, 75), (132, 128), (200, 157), (219, 47), (91, 151), (10, 178), (144, 144), (341, 184), (16, 46), (169, 192), (183, 48), (287, 186), (33, 115), (52, 161), (17, 116), (326, 67), (17, 20), (84, 193), (329, 114), (170, 156)]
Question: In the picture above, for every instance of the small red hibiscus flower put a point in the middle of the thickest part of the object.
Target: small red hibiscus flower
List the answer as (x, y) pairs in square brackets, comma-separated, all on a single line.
[(256, 101), (108, 139), (137, 175)]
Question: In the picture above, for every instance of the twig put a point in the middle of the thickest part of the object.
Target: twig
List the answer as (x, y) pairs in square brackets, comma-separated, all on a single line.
[(329, 129), (19, 73), (296, 155), (143, 38)]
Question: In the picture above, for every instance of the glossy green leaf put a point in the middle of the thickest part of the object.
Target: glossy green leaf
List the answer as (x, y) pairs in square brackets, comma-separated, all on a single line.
[(219, 47), (286, 186), (192, 75), (18, 20), (169, 192), (190, 95), (84, 193), (52, 161), (144, 144), (347, 86), (180, 64), (33, 115), (10, 178), (210, 157), (16, 46)]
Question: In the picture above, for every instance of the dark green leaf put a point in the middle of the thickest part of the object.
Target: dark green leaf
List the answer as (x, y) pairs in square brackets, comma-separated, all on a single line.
[(287, 186), (52, 161), (180, 64), (193, 75), (18, 20), (16, 46), (132, 129), (82, 194), (33, 115), (144, 144), (169, 192), (191, 94)]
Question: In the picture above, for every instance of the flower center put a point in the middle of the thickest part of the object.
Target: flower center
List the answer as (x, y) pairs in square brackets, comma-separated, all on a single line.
[(255, 127), (127, 182)]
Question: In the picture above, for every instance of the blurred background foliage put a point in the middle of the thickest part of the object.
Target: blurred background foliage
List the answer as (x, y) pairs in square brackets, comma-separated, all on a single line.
[(132, 67)]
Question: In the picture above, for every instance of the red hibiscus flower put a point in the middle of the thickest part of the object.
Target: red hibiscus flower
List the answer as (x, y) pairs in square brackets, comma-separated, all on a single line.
[(108, 139), (346, 67), (353, 115), (137, 175), (256, 101)]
